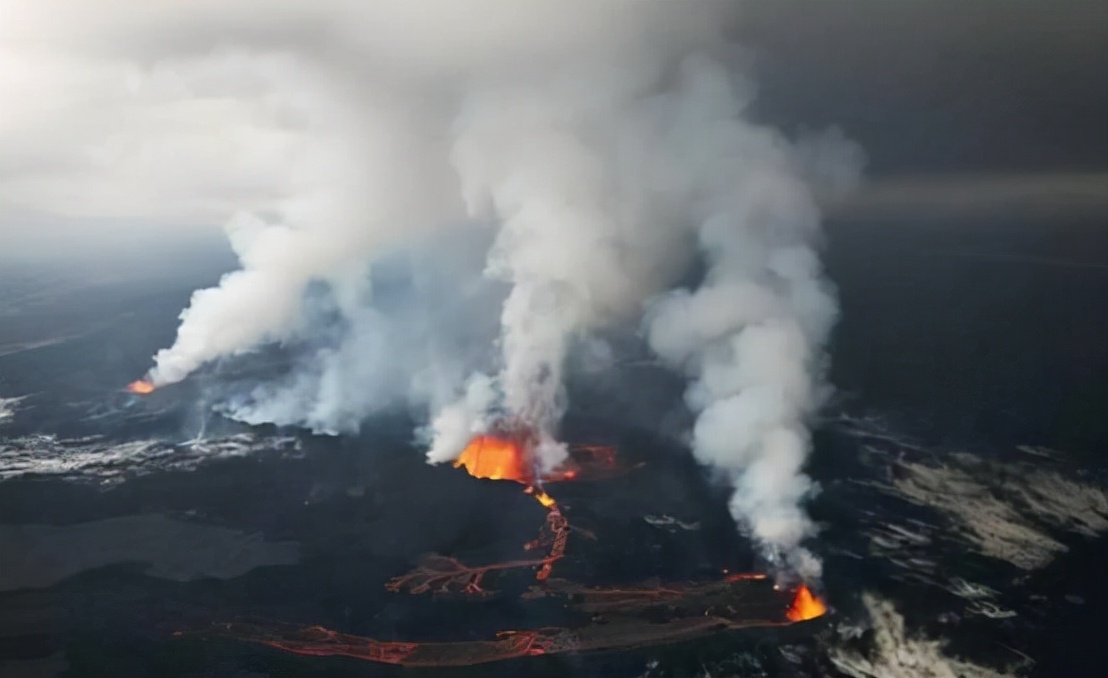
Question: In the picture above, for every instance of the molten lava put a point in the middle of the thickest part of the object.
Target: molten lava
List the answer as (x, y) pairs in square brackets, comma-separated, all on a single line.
[(621, 618), (496, 458), (505, 454), (502, 456), (805, 606), (140, 387), (732, 577), (543, 498)]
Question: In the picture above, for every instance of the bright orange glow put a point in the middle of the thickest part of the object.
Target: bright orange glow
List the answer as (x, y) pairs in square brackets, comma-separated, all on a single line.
[(545, 499), (805, 606), (618, 618), (502, 458), (140, 387), (506, 457), (495, 458), (732, 577)]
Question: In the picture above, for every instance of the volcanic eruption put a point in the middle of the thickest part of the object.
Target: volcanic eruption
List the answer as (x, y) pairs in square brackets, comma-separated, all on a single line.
[(479, 193), (508, 454)]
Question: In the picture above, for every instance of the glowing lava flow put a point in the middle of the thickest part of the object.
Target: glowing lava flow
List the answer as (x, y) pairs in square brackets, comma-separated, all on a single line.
[(507, 457), (805, 606), (619, 619), (140, 387), (504, 456)]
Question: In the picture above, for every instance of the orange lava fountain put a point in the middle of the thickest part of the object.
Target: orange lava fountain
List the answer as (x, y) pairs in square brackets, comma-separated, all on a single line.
[(140, 387), (504, 458), (805, 606), (496, 458)]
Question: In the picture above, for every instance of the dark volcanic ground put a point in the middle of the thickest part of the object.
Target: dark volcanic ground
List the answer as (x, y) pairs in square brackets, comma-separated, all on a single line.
[(957, 344)]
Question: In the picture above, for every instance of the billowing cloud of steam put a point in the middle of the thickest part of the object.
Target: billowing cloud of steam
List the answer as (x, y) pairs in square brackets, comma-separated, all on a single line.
[(600, 147), (750, 335)]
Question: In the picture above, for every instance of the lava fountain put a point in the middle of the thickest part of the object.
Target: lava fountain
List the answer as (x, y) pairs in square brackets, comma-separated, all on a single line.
[(806, 605), (498, 457), (141, 387), (506, 455)]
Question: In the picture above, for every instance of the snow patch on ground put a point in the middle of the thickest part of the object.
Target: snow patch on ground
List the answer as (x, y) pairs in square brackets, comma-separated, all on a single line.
[(893, 653), (8, 407), (1012, 510), (96, 458), (1006, 511)]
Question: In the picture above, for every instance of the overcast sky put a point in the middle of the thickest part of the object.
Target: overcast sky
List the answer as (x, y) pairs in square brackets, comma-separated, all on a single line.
[(930, 89), (941, 85)]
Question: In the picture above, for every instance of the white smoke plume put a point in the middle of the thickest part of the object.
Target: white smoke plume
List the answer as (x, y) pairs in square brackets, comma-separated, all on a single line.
[(750, 335), (430, 320), (594, 144)]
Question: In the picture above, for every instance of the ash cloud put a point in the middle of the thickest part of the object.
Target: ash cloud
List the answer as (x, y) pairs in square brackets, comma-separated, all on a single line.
[(595, 150)]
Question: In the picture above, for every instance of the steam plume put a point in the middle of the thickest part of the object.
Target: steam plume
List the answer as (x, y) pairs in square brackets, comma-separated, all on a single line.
[(750, 335)]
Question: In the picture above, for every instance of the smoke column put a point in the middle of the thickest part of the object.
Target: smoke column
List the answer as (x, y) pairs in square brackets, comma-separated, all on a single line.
[(595, 150), (750, 336)]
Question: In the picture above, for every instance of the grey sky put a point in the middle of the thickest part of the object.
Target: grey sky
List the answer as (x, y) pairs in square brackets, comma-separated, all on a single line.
[(941, 85), (935, 88)]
